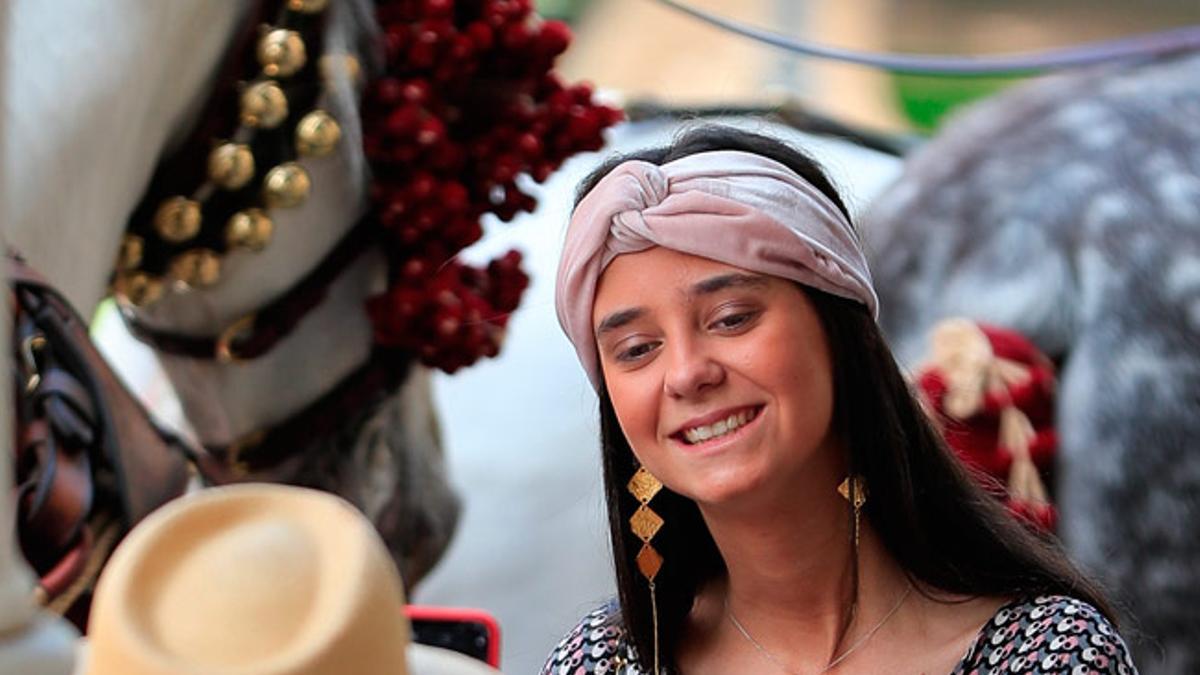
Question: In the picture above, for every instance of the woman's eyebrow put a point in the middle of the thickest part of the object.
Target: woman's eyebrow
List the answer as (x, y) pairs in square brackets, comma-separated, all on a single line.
[(617, 319), (706, 287), (724, 281)]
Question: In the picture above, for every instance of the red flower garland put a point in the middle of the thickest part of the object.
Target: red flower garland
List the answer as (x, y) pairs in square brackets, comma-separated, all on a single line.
[(466, 104)]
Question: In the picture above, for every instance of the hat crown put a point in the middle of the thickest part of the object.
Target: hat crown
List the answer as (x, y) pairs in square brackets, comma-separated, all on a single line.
[(258, 568), (264, 579)]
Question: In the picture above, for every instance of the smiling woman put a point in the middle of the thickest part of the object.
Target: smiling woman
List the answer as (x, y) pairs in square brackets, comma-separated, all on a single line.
[(708, 385), (778, 501)]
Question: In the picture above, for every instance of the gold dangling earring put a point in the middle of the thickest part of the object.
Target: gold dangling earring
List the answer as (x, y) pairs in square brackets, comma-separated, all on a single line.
[(854, 490), (645, 523)]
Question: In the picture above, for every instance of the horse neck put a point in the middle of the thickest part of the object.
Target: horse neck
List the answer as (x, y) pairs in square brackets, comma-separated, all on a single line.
[(89, 105)]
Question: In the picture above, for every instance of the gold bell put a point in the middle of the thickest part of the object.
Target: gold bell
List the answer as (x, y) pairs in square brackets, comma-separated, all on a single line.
[(197, 267), (263, 105), (231, 165), (177, 219), (307, 6), (130, 256), (138, 288), (317, 134), (249, 229), (281, 53), (286, 185)]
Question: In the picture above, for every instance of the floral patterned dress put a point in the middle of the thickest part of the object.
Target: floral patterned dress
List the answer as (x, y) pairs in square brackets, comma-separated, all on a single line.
[(1048, 634)]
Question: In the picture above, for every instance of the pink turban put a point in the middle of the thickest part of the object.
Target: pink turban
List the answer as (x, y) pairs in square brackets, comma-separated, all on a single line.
[(734, 207)]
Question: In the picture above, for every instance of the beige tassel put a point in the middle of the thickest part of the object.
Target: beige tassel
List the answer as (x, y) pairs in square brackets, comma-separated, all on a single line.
[(1016, 436), (971, 370)]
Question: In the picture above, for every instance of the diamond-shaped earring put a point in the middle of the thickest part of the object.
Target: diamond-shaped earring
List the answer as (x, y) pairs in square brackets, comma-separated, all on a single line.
[(854, 490), (645, 523)]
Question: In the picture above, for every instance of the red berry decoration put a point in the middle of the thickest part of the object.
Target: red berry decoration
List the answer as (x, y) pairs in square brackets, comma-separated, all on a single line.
[(465, 104), (452, 317)]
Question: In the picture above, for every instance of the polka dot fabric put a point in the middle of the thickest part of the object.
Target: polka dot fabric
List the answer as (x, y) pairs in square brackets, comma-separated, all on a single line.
[(594, 646), (1048, 634)]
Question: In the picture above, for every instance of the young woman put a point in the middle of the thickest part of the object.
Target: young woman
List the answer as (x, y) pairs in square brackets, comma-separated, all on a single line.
[(778, 501)]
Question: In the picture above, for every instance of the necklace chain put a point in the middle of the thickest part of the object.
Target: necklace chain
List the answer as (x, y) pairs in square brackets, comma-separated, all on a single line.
[(835, 660)]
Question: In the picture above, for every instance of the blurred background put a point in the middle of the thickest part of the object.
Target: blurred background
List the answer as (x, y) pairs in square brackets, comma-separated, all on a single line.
[(643, 49), (520, 433)]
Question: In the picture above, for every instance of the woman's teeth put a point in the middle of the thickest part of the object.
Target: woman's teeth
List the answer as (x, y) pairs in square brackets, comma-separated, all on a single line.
[(725, 426)]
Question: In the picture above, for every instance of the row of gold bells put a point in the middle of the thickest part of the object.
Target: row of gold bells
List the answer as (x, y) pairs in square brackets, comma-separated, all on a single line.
[(231, 166)]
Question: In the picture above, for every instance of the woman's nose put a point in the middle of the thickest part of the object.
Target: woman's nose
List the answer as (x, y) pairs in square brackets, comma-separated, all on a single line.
[(691, 370)]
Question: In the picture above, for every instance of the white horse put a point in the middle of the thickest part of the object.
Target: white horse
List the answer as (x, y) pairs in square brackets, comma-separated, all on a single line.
[(93, 94)]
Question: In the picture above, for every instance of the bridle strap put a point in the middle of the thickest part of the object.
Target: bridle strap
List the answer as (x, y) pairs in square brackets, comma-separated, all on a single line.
[(259, 452), (91, 462), (258, 332)]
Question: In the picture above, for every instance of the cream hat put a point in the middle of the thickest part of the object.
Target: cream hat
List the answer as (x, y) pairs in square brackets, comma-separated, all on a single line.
[(252, 578)]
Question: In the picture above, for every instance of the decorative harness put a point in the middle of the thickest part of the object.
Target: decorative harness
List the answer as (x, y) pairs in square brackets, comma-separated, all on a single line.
[(90, 462), (464, 104), (437, 310), (214, 196)]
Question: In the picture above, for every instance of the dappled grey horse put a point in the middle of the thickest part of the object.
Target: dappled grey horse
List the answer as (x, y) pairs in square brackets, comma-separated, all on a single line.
[(1069, 209)]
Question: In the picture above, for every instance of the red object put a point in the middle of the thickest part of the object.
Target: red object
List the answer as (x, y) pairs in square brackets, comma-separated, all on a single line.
[(1041, 516), (467, 104), (975, 437), (1016, 378), (474, 621)]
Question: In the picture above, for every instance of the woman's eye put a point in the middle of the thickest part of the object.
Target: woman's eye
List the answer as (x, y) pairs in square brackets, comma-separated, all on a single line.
[(733, 321), (636, 351)]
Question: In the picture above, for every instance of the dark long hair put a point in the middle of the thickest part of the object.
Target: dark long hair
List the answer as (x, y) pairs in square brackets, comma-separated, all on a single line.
[(931, 515)]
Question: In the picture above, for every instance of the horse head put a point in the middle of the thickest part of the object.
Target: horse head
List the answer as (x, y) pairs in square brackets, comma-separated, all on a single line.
[(84, 93)]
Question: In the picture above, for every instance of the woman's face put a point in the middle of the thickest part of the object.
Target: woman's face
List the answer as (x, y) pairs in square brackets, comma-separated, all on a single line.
[(720, 377)]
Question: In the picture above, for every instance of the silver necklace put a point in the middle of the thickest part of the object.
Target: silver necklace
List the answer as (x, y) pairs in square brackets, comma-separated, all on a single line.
[(835, 660)]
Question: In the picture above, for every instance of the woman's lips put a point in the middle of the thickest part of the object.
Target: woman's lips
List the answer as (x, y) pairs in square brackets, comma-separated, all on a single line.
[(709, 429)]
